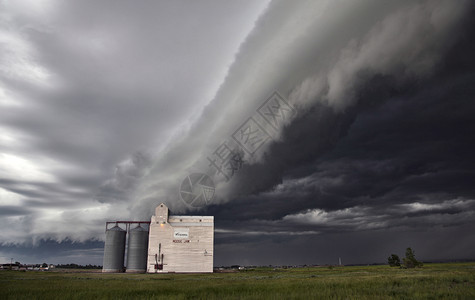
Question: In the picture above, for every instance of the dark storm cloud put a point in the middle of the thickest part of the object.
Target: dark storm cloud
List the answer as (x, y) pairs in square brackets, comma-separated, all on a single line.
[(413, 144), (13, 211), (399, 162), (366, 247), (52, 252), (311, 62)]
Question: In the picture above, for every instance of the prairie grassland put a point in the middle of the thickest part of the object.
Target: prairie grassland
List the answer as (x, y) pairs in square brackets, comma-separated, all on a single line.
[(433, 281)]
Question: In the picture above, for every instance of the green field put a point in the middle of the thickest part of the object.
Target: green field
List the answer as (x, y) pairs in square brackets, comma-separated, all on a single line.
[(433, 281)]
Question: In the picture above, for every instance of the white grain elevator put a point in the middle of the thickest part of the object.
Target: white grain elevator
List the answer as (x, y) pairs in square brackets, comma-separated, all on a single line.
[(182, 244)]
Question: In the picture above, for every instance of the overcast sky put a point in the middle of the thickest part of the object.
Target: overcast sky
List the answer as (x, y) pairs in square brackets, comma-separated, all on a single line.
[(363, 114)]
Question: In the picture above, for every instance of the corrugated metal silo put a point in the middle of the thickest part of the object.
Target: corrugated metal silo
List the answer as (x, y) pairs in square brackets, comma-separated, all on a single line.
[(114, 250), (137, 250)]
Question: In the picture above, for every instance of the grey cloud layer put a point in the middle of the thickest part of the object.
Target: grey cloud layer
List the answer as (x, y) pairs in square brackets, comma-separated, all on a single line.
[(90, 92)]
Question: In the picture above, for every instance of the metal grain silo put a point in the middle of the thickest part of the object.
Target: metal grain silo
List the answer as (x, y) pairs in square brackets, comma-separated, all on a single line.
[(137, 250), (114, 250)]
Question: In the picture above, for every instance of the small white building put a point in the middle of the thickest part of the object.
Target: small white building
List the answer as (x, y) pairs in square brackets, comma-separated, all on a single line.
[(180, 243)]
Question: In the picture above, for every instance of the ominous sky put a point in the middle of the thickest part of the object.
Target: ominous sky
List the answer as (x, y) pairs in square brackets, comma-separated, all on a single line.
[(353, 120)]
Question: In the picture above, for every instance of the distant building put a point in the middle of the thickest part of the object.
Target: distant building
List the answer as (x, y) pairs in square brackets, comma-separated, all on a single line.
[(180, 243), (10, 266)]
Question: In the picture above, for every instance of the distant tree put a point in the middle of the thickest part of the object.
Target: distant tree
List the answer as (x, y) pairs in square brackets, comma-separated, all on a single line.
[(410, 260), (44, 265), (76, 266), (394, 261)]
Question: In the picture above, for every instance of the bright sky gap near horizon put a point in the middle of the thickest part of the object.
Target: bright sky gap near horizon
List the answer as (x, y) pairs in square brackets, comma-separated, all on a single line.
[(105, 106)]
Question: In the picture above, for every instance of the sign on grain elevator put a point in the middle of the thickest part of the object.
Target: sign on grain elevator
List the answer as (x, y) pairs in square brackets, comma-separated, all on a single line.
[(180, 243)]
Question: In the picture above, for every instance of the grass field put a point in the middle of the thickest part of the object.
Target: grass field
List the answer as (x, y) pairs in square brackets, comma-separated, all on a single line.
[(433, 281)]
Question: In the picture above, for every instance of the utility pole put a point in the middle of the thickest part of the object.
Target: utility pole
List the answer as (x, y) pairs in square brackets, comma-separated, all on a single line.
[(339, 261), (11, 263)]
